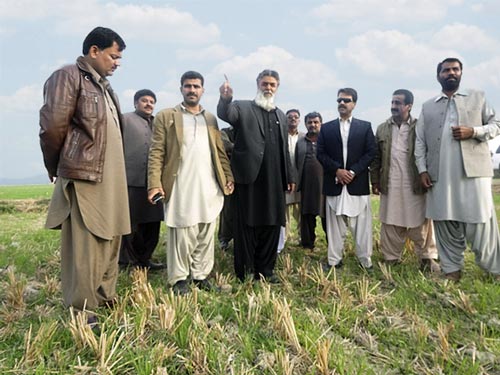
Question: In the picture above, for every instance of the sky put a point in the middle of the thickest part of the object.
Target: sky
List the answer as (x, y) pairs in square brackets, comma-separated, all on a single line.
[(317, 46)]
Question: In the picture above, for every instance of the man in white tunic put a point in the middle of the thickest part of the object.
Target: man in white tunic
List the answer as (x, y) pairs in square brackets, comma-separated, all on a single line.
[(395, 177), (453, 159), (346, 148), (189, 168)]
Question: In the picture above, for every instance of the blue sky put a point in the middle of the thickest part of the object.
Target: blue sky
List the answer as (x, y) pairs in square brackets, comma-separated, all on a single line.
[(317, 46)]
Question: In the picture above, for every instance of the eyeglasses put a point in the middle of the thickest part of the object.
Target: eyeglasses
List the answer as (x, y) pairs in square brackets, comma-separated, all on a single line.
[(292, 117), (345, 100)]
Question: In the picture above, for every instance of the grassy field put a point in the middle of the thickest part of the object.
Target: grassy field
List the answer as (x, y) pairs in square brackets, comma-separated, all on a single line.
[(395, 320)]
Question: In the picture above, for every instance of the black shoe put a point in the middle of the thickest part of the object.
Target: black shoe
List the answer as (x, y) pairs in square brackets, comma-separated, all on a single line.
[(109, 304), (327, 267), (204, 285), (152, 266), (224, 245), (430, 265), (94, 324), (271, 279), (181, 288), (367, 269)]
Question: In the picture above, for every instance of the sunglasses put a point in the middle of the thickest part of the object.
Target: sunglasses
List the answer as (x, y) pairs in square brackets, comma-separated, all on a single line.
[(345, 100)]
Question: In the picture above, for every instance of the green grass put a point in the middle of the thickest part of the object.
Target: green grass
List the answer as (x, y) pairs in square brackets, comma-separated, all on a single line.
[(399, 322), (26, 192)]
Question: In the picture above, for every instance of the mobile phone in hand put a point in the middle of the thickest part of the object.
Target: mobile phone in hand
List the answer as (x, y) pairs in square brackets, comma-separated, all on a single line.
[(157, 198)]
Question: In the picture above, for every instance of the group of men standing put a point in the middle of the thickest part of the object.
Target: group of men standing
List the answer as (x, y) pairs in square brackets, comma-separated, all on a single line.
[(435, 168)]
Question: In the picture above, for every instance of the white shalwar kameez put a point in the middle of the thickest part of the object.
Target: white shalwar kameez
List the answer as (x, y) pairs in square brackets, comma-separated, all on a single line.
[(348, 210), (195, 203)]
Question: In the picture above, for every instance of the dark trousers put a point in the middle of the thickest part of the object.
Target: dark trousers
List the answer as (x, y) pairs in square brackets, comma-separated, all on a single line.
[(255, 249), (307, 229), (138, 246), (226, 220)]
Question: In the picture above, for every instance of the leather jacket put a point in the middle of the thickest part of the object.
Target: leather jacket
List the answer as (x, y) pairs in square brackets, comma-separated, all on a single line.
[(73, 123)]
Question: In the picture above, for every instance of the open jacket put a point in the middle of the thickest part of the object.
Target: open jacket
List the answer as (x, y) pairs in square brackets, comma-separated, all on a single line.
[(165, 152), (379, 170), (361, 152), (249, 140)]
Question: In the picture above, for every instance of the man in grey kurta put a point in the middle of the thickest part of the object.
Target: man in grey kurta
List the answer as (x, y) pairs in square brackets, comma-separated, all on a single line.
[(81, 141), (453, 160)]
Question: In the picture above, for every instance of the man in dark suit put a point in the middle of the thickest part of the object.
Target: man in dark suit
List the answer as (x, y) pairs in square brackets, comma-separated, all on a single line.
[(346, 147), (262, 171)]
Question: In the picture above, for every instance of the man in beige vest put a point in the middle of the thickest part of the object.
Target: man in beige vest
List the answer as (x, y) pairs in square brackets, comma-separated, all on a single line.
[(453, 160), (189, 168), (81, 142)]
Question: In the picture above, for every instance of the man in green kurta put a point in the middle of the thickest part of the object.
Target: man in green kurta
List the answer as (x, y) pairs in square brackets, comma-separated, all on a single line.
[(81, 142)]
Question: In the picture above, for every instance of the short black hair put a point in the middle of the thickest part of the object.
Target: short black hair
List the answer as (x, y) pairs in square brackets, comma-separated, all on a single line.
[(293, 110), (103, 38), (349, 91), (313, 115), (191, 74), (268, 73), (406, 93), (449, 60), (144, 92)]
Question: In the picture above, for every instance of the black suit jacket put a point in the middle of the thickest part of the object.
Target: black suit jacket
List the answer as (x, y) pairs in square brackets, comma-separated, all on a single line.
[(361, 150), (249, 140)]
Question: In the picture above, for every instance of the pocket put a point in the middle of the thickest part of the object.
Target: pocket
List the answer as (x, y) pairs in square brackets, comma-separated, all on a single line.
[(88, 104), (73, 144)]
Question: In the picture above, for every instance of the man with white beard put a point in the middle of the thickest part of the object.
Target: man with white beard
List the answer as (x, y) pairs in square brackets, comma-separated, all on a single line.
[(262, 171)]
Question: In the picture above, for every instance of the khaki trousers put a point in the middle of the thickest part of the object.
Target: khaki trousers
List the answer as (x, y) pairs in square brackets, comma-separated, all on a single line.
[(190, 250), (393, 238), (89, 264)]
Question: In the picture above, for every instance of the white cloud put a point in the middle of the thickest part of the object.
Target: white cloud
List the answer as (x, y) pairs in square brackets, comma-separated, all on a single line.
[(464, 37), (295, 73), (484, 75), (211, 53), (133, 22), (29, 9), (380, 11), (382, 52), (25, 99), (485, 7)]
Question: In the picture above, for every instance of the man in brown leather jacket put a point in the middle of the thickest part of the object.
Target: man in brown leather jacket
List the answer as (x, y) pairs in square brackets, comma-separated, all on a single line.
[(81, 142)]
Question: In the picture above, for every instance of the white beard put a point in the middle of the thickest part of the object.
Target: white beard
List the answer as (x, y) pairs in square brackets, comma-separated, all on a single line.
[(264, 102)]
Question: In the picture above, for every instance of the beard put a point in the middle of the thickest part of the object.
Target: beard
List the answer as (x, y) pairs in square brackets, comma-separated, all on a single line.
[(450, 85), (265, 102)]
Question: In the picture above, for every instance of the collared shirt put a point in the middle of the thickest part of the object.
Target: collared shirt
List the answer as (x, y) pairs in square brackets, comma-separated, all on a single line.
[(454, 196), (345, 203)]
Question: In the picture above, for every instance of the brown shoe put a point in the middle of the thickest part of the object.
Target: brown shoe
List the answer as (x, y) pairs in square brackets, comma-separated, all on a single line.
[(453, 276), (430, 265)]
